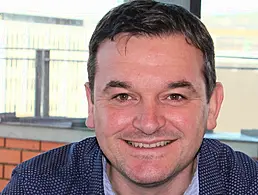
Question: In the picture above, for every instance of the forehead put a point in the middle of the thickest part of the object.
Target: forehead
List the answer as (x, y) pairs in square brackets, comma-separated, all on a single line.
[(166, 58)]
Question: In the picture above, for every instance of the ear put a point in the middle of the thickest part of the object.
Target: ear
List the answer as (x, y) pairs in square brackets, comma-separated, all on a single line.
[(90, 120), (214, 106)]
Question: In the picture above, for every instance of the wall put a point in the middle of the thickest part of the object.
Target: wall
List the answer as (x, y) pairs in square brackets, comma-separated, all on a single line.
[(15, 151)]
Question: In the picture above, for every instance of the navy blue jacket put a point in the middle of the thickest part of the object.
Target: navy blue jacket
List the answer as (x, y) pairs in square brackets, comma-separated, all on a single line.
[(77, 169)]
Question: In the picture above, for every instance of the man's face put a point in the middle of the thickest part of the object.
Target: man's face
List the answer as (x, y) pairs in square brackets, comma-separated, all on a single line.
[(150, 109)]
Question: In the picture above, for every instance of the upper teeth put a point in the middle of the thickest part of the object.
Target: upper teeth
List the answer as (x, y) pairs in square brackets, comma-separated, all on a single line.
[(153, 145)]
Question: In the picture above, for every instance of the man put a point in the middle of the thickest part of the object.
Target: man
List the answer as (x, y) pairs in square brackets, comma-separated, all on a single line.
[(152, 93)]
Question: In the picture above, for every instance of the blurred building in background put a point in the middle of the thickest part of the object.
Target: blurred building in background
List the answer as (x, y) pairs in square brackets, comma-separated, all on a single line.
[(66, 40)]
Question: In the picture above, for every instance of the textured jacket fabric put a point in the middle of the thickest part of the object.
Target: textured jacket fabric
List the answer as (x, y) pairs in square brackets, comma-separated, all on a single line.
[(76, 169)]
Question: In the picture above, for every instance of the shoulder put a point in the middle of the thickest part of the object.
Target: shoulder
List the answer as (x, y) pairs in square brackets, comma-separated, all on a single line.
[(225, 154), (220, 164), (56, 159), (58, 169)]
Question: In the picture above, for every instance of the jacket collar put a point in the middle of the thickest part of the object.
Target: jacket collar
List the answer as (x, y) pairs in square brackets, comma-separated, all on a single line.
[(210, 180)]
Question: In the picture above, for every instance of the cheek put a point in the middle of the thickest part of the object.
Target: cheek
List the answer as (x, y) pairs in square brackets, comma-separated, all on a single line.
[(110, 121), (189, 120)]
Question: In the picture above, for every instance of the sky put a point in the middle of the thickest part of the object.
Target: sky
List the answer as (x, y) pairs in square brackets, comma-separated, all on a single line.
[(79, 8)]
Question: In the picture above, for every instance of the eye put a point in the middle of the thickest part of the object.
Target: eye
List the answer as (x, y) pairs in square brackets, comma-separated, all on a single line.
[(122, 97), (176, 97)]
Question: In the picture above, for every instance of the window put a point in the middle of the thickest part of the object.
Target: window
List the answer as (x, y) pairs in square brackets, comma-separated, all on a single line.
[(61, 30), (234, 28)]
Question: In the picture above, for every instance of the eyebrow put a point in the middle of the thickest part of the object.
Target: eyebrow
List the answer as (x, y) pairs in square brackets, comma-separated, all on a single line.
[(181, 84), (117, 84), (172, 85)]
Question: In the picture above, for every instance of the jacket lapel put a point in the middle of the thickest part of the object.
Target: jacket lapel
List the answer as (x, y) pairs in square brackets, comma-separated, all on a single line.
[(210, 179)]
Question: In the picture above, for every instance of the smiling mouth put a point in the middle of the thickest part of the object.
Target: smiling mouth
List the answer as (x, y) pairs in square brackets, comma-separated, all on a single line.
[(152, 145)]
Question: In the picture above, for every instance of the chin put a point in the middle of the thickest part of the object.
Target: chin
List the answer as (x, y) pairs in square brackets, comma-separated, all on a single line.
[(151, 181), (149, 177)]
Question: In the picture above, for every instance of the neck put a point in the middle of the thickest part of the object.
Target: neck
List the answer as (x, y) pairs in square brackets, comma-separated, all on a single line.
[(177, 184)]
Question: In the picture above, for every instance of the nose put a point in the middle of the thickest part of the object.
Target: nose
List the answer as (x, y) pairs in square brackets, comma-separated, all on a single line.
[(149, 118)]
